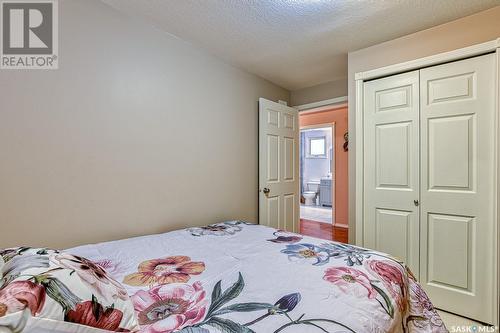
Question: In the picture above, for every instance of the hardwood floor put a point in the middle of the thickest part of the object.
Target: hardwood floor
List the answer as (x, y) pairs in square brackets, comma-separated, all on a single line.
[(323, 230), (341, 234), (316, 229)]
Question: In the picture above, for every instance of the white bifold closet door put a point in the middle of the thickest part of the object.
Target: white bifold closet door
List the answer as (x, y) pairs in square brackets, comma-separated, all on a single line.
[(391, 172), (428, 179), (457, 167)]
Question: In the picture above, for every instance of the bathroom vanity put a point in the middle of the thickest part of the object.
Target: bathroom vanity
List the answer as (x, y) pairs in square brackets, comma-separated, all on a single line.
[(325, 192)]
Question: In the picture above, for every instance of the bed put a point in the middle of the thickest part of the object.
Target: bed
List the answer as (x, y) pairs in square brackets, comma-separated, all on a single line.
[(240, 277)]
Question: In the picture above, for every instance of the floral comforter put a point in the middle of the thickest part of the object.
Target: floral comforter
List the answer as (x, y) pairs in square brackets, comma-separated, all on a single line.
[(237, 277)]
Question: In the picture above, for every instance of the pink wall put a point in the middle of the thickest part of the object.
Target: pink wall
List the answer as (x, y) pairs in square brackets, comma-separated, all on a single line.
[(339, 117)]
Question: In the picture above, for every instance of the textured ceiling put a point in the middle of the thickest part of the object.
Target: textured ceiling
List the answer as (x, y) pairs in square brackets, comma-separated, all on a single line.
[(294, 43)]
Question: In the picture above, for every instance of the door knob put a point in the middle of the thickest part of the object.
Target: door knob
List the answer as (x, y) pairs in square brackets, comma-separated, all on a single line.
[(266, 190), (416, 203)]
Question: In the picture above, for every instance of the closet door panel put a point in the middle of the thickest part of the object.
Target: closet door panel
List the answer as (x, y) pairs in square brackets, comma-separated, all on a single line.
[(391, 170), (393, 231), (451, 162), (457, 161)]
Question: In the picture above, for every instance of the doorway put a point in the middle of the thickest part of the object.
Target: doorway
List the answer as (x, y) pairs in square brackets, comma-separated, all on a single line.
[(280, 193), (317, 163), (323, 173)]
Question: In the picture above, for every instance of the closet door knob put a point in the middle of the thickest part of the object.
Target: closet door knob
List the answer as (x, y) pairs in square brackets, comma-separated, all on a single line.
[(416, 203)]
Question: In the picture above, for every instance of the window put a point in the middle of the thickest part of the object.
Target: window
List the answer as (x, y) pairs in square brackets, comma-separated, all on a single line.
[(317, 147)]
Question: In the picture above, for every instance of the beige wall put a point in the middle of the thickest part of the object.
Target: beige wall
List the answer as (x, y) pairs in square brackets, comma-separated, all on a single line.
[(320, 92), (474, 29), (137, 132)]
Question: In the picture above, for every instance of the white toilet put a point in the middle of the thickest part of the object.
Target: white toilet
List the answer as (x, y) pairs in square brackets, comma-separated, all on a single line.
[(310, 194)]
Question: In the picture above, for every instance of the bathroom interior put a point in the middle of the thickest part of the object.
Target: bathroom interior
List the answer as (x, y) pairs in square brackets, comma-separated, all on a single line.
[(316, 169)]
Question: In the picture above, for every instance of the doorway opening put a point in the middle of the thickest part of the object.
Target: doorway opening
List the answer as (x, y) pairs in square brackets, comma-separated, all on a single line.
[(316, 170), (323, 173)]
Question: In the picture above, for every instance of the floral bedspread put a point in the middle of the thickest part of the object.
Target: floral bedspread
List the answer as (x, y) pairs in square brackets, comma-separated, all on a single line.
[(239, 277)]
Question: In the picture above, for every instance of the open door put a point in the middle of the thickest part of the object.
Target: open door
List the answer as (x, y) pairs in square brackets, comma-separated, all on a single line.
[(278, 166)]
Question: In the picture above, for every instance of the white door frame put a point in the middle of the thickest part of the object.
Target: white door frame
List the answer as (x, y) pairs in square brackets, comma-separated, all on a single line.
[(325, 106), (332, 163), (327, 103), (463, 53)]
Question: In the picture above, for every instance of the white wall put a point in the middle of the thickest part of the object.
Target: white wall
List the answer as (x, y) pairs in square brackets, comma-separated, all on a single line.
[(470, 30), (137, 132), (320, 92)]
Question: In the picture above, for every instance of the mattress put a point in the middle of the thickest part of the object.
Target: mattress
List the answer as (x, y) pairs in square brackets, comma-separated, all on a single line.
[(240, 277)]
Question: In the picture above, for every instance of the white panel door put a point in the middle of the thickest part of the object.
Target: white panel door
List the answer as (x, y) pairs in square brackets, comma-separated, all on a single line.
[(391, 172), (278, 166), (457, 162)]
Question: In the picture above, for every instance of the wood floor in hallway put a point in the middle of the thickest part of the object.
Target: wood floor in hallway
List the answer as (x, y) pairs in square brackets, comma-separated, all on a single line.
[(323, 230)]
